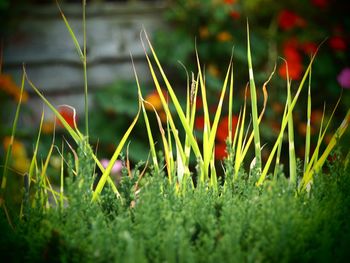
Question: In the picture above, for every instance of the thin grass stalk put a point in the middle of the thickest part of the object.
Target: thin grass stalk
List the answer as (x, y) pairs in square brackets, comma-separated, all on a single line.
[(279, 149), (265, 93), (148, 127), (284, 123), (62, 180), (9, 149), (314, 157), (254, 106), (335, 138), (208, 151), (292, 159), (175, 101), (308, 126), (75, 41), (230, 109), (86, 106), (107, 171), (240, 128), (178, 108)]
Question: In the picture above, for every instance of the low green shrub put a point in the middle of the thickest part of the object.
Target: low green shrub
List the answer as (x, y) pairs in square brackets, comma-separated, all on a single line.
[(167, 210)]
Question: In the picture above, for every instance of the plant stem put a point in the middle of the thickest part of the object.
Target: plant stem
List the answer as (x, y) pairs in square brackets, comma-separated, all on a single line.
[(85, 75)]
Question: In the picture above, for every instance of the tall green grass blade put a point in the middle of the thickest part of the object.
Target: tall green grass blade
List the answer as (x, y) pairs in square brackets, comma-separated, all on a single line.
[(148, 127), (86, 103), (240, 128), (335, 138), (292, 158), (254, 106), (74, 134), (279, 149), (314, 157), (308, 126), (265, 93), (208, 152), (62, 179), (107, 171), (75, 41), (230, 109), (9, 149), (284, 124), (175, 101)]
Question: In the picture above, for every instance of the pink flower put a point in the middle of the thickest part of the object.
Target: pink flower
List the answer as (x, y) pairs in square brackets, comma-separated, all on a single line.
[(117, 166), (344, 78)]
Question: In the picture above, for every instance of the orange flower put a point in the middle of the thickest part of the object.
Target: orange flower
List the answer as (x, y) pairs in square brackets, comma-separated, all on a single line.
[(203, 32), (213, 70), (154, 99), (9, 86), (229, 2), (224, 36), (19, 161), (68, 114), (288, 20), (48, 127), (222, 131)]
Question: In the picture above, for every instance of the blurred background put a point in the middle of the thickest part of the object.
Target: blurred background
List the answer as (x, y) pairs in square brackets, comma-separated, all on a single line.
[(33, 32)]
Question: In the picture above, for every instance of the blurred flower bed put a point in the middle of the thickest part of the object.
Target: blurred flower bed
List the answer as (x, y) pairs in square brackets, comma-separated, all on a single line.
[(291, 30)]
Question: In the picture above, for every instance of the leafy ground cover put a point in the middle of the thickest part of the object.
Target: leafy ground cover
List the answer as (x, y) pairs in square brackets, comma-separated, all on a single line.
[(239, 223), (180, 205)]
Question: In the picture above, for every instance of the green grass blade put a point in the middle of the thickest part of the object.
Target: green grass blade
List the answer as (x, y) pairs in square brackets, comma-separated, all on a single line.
[(208, 152), (254, 106), (284, 123), (86, 105), (335, 138), (148, 127), (75, 41), (265, 93), (230, 109), (74, 134), (308, 126), (175, 101), (292, 158), (9, 149), (314, 157), (119, 148)]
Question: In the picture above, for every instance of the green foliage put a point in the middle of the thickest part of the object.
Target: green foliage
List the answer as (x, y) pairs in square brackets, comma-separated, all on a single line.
[(237, 224)]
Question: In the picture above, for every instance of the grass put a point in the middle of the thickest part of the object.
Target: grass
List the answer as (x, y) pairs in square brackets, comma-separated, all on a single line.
[(169, 211)]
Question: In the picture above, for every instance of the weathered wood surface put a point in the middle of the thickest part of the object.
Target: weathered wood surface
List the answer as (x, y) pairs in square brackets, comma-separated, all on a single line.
[(43, 43)]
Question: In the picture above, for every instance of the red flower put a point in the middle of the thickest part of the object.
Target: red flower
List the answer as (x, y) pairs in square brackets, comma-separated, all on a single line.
[(337, 43), (220, 151), (229, 1), (309, 47), (68, 114), (235, 15), (199, 123), (222, 131), (320, 3), (288, 20), (295, 69), (294, 60)]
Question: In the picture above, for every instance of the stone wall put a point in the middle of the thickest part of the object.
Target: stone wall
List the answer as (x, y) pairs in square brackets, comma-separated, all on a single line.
[(43, 43)]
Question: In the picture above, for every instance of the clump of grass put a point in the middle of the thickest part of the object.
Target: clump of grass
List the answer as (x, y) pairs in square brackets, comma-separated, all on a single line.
[(169, 212)]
